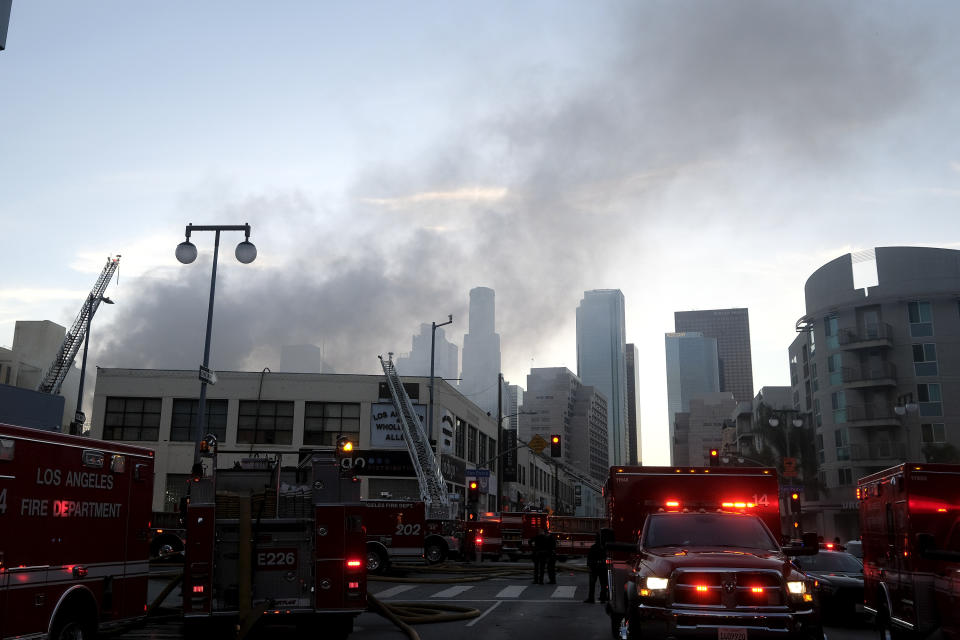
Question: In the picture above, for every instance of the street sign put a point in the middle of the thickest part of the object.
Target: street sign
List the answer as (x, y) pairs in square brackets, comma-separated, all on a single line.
[(478, 473), (789, 467), (787, 489), (208, 375), (537, 443)]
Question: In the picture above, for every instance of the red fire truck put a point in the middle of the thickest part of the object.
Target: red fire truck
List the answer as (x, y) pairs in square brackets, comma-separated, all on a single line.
[(910, 527), (74, 516), (260, 550), (399, 530), (574, 534), (508, 533), (696, 553)]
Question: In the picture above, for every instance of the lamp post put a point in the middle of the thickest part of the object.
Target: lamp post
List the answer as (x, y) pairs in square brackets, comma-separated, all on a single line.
[(905, 405), (186, 253), (774, 422), (433, 345), (76, 427)]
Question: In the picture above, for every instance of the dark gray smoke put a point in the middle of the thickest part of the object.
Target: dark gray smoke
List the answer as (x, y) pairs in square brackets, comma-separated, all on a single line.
[(586, 164)]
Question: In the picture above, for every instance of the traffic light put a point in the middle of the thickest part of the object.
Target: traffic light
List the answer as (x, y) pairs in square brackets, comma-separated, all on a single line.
[(714, 458), (555, 446), (795, 506), (473, 491), (344, 446)]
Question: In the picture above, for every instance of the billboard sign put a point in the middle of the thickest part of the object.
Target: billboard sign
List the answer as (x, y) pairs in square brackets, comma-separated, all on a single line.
[(385, 429)]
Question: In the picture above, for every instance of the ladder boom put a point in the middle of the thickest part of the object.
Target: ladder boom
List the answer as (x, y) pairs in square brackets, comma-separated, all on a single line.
[(71, 343), (433, 489)]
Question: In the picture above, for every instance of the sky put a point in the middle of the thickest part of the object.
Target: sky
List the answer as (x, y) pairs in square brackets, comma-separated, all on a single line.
[(391, 156)]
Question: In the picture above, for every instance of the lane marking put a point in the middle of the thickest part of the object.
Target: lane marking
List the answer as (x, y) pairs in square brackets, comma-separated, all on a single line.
[(513, 591), (394, 591), (452, 591), (564, 592), (480, 617)]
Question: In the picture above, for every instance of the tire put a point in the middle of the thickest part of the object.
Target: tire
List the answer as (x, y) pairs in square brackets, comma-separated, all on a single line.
[(73, 625), (376, 560), (435, 553), (883, 627)]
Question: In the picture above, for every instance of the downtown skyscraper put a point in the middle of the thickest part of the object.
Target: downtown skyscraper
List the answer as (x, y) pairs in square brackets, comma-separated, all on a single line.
[(481, 352), (731, 328), (601, 361)]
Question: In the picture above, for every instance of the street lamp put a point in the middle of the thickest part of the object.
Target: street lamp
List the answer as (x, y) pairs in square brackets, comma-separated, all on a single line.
[(433, 344), (186, 253), (93, 303), (905, 405), (774, 422)]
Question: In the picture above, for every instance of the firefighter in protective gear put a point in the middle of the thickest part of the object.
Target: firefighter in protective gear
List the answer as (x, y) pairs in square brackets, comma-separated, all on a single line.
[(597, 563)]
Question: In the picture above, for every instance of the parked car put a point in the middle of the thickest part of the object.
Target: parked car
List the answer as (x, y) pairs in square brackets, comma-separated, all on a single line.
[(840, 575)]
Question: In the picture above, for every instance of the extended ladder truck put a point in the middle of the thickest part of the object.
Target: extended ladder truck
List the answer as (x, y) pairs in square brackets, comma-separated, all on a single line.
[(61, 364), (261, 551)]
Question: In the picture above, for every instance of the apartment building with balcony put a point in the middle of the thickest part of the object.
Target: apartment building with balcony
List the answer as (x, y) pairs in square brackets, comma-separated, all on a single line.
[(878, 368)]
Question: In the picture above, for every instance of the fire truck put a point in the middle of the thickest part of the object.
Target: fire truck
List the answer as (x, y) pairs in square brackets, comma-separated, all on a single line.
[(264, 548), (399, 530), (910, 528), (696, 553), (575, 535), (508, 533), (74, 517)]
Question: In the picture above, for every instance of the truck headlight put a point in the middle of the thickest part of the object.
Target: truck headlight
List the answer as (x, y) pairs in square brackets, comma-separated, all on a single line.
[(654, 584), (796, 587)]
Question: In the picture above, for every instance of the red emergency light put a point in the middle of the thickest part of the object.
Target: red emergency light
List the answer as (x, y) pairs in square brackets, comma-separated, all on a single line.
[(702, 588), (354, 563), (353, 585), (756, 590), (673, 503), (829, 545), (478, 540), (198, 588)]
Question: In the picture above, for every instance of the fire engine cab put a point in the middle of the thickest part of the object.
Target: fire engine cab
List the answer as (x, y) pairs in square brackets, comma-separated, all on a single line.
[(696, 554), (262, 549), (910, 527), (74, 521)]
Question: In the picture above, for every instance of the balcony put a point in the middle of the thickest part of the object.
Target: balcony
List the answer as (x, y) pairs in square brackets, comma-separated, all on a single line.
[(875, 334), (873, 454), (866, 415), (880, 375)]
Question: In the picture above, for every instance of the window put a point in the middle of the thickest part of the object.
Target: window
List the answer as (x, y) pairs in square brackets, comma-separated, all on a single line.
[(471, 443), (831, 330), (820, 455), (844, 477), (842, 440), (932, 433), (185, 417), (492, 443), (925, 359), (813, 373), (461, 438), (931, 404), (818, 418), (132, 419), (482, 449), (265, 422), (921, 319), (793, 371), (175, 490), (835, 368), (813, 343), (324, 422), (838, 402)]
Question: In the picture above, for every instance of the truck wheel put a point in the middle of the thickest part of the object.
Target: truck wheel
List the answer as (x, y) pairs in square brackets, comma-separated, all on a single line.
[(885, 629), (73, 625), (376, 560), (435, 553)]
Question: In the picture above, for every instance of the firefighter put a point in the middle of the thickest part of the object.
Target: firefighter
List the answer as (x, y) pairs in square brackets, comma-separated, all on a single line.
[(540, 544), (597, 563), (551, 558)]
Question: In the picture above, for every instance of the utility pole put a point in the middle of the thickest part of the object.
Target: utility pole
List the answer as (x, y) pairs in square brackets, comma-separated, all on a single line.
[(433, 343), (500, 487)]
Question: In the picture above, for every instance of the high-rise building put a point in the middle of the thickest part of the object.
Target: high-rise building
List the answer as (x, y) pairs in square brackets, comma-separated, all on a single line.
[(446, 357), (692, 370), (731, 328), (601, 361), (556, 402), (877, 369), (633, 405), (709, 412), (303, 358), (512, 405), (481, 352)]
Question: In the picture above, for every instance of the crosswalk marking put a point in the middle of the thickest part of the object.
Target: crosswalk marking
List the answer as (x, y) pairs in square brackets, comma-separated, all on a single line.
[(513, 591), (394, 591), (452, 591), (564, 592)]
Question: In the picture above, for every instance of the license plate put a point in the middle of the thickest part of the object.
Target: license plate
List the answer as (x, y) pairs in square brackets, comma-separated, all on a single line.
[(731, 633)]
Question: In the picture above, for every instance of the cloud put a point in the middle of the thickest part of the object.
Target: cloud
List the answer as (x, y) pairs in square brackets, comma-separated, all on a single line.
[(34, 295)]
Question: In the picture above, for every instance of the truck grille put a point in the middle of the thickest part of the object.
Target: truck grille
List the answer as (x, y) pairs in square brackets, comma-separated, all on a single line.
[(728, 589)]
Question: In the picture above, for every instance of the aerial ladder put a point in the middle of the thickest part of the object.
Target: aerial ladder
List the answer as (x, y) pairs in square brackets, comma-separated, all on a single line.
[(71, 343), (433, 489)]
